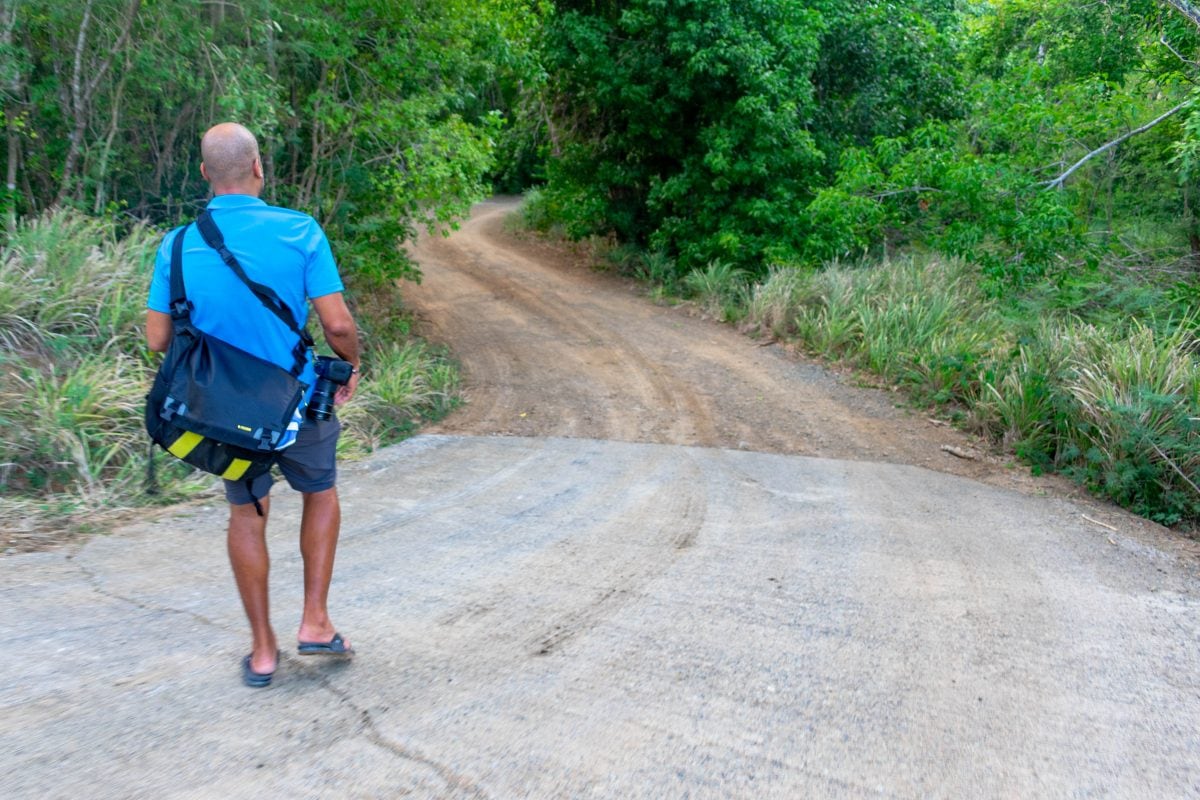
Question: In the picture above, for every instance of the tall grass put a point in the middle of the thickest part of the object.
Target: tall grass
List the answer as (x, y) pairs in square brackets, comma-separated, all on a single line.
[(720, 288), (1138, 434), (405, 384), (71, 300), (74, 371), (1113, 402)]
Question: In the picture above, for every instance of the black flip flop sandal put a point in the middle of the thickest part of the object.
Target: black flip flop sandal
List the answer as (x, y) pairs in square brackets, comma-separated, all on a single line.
[(334, 647), (257, 680)]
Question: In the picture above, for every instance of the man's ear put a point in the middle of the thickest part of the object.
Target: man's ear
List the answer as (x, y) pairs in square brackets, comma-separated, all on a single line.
[(258, 168), (204, 172)]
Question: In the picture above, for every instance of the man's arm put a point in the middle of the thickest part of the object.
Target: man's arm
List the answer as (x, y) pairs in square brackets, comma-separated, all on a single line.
[(158, 330), (342, 335)]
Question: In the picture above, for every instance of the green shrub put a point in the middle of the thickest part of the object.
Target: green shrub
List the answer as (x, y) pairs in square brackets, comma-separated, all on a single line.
[(774, 300), (69, 284), (1022, 403), (656, 268), (1139, 426)]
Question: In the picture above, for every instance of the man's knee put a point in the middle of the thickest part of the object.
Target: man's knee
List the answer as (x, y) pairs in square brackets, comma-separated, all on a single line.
[(247, 512), (323, 498)]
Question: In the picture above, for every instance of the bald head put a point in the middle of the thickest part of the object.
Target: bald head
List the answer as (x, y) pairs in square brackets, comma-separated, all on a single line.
[(230, 160)]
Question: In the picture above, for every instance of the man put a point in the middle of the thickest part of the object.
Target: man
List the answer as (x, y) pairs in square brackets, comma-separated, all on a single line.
[(287, 251)]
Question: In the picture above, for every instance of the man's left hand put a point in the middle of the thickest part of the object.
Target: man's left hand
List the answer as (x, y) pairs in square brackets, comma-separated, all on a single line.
[(344, 393)]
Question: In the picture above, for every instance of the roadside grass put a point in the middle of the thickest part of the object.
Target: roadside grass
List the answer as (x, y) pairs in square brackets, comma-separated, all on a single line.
[(74, 370), (408, 383), (1112, 401)]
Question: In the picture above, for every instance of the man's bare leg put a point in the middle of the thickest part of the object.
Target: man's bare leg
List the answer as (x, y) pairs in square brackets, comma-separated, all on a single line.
[(247, 542), (319, 528)]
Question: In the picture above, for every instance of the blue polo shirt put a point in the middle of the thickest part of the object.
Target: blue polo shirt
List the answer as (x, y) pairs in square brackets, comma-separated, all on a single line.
[(284, 249)]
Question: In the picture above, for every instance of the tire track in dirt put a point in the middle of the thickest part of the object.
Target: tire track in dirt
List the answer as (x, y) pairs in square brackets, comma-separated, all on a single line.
[(501, 302), (551, 347)]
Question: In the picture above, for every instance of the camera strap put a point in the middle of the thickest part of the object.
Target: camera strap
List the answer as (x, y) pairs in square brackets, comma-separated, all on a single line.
[(266, 295)]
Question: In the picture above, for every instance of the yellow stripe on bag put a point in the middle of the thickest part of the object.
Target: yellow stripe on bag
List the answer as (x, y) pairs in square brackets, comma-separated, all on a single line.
[(185, 444), (236, 470)]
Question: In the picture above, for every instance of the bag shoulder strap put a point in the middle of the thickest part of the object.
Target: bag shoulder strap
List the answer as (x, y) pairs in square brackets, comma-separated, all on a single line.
[(266, 295), (181, 309)]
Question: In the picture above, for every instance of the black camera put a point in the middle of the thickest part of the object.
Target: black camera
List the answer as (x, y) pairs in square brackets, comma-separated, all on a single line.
[(331, 373)]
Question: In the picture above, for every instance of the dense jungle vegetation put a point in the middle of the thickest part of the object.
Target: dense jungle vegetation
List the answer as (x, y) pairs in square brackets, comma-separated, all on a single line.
[(991, 203)]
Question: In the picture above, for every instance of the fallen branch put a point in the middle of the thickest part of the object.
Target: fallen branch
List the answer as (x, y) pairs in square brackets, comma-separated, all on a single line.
[(1057, 183), (958, 452), (1101, 524)]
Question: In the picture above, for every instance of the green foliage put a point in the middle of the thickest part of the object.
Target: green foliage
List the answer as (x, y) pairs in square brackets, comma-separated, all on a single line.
[(656, 268), (1139, 403), (408, 384), (885, 68), (72, 296), (686, 123), (706, 128)]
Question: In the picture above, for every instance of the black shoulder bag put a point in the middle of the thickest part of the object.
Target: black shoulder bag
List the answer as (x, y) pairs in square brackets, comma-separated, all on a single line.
[(213, 405)]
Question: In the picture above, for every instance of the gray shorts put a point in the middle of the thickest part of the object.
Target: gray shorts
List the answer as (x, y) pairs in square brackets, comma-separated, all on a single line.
[(309, 465)]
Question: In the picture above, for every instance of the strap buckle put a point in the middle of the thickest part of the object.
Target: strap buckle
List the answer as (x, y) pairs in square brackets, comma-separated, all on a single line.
[(181, 309)]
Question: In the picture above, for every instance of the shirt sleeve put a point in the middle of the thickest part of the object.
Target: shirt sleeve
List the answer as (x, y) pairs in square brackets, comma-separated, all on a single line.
[(160, 283), (321, 273)]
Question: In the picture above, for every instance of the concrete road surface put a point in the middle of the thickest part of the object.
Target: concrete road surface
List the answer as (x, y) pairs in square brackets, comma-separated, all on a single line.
[(569, 618)]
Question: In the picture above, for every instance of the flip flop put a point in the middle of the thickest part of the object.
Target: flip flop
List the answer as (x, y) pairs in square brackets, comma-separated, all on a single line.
[(334, 647), (257, 680)]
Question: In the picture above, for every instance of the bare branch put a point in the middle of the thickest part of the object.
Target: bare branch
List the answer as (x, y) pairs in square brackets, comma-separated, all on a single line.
[(909, 190), (1057, 183), (1163, 41), (98, 72), (1175, 467)]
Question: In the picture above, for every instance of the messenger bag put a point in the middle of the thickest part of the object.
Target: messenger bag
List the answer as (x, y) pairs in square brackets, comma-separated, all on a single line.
[(213, 405)]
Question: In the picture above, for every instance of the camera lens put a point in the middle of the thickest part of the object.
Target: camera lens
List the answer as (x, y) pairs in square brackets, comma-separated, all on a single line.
[(320, 407)]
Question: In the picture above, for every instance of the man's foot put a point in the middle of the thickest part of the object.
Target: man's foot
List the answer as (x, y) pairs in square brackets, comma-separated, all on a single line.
[(257, 680), (337, 646)]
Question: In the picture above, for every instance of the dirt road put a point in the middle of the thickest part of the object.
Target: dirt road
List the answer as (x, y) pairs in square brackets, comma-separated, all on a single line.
[(649, 559), (552, 347)]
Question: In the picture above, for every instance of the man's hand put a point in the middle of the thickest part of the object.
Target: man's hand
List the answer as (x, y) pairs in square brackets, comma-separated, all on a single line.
[(344, 393)]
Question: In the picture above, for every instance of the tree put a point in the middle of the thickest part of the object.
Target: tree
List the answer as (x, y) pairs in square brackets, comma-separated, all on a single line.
[(683, 123), (377, 116)]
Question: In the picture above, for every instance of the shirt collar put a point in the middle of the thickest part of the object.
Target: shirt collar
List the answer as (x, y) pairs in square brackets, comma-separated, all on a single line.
[(235, 201)]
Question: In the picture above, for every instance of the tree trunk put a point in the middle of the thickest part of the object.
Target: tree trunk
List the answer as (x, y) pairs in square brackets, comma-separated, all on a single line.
[(267, 146), (13, 86), (166, 153), (10, 179), (108, 141), (83, 93)]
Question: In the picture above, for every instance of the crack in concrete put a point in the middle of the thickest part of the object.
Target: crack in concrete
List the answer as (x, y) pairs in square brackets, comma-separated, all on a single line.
[(93, 581), (459, 785)]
